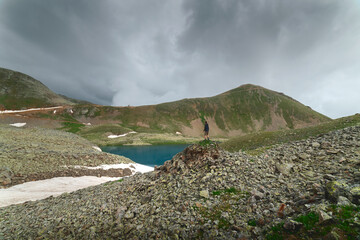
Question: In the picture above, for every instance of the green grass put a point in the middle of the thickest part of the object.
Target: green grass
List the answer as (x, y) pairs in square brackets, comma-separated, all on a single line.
[(252, 222), (22, 91), (158, 141), (100, 129), (227, 204), (112, 182), (343, 221), (231, 190), (237, 109), (13, 102), (276, 232), (98, 132), (257, 142), (309, 220), (72, 127), (206, 143)]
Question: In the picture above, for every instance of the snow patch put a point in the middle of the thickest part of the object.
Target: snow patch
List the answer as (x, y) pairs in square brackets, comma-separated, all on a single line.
[(18, 124), (28, 110), (117, 136), (97, 148), (31, 191), (135, 167), (122, 135)]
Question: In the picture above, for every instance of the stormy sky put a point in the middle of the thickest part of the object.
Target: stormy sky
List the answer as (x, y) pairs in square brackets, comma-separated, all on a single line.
[(140, 52)]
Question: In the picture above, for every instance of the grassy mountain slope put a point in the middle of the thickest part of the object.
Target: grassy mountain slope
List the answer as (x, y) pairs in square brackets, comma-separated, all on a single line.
[(243, 110), (240, 111), (256, 142), (18, 91)]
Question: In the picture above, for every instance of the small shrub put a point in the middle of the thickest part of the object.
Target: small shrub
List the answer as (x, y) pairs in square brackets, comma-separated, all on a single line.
[(206, 143), (252, 222), (308, 220)]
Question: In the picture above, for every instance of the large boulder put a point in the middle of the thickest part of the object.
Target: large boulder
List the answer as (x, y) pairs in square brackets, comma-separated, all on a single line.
[(355, 194), (334, 189)]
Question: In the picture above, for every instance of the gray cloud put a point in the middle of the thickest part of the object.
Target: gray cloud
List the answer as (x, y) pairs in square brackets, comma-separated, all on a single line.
[(151, 51)]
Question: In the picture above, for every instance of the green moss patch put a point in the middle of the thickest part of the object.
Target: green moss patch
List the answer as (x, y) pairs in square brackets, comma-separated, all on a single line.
[(222, 213), (344, 223)]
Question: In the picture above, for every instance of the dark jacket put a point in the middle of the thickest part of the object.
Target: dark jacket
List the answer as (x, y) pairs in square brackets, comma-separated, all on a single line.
[(206, 128)]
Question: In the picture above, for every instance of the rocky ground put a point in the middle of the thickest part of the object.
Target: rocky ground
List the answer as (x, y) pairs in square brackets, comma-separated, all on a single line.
[(28, 154), (207, 193)]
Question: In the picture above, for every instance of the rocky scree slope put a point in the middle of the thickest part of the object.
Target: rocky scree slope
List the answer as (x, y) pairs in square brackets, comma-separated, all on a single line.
[(204, 192), (28, 154)]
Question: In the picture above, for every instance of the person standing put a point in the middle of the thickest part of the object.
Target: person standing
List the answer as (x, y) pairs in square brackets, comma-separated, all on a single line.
[(206, 131)]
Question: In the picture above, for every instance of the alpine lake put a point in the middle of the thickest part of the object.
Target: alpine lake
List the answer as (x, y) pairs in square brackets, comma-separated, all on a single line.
[(147, 155)]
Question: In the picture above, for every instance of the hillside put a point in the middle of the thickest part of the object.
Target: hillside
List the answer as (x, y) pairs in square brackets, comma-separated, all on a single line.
[(306, 189), (243, 110), (29, 154), (19, 91), (256, 143), (240, 111)]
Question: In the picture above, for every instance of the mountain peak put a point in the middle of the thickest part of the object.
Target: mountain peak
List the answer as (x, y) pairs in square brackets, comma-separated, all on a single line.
[(19, 91)]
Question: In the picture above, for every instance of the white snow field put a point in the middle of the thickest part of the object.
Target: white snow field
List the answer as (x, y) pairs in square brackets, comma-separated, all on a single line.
[(31, 191)]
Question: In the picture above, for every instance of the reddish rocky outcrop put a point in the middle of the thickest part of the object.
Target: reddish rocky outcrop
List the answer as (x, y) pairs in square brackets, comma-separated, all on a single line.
[(193, 157)]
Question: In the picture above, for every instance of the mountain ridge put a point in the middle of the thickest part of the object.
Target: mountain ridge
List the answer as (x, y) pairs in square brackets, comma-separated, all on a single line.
[(245, 109), (19, 90)]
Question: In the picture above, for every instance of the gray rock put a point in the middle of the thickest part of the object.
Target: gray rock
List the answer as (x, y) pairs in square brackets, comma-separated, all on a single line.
[(6, 176), (324, 217), (355, 194), (315, 144), (335, 234), (258, 195), (129, 215), (292, 225), (284, 168), (304, 156), (204, 193), (334, 189), (343, 201), (175, 201)]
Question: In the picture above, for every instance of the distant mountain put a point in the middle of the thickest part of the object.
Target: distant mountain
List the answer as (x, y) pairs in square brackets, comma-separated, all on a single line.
[(240, 111), (243, 110), (18, 91), (75, 101)]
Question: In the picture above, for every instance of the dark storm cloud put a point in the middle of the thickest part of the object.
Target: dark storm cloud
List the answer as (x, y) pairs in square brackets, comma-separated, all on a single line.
[(64, 43), (151, 51), (292, 46)]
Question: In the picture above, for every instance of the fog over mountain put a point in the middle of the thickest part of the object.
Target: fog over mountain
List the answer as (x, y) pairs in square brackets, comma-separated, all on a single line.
[(150, 51)]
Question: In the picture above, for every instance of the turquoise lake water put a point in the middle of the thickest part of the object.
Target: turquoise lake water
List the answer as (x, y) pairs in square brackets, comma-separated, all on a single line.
[(147, 155)]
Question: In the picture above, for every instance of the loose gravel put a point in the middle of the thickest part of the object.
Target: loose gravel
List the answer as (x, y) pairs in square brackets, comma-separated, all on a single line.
[(28, 154), (202, 193)]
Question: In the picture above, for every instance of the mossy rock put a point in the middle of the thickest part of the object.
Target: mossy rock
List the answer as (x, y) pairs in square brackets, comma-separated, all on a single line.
[(355, 194), (334, 189)]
